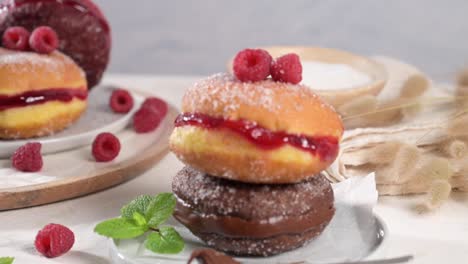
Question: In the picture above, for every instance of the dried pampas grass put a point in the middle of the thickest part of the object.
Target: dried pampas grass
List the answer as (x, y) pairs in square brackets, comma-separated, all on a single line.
[(406, 158), (462, 89), (435, 168), (430, 161), (458, 126), (463, 78), (415, 86), (456, 149), (385, 153), (401, 169), (412, 110), (363, 104), (462, 102), (438, 193), (385, 114)]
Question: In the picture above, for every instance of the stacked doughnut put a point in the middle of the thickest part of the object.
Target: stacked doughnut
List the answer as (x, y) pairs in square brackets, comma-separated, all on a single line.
[(254, 151)]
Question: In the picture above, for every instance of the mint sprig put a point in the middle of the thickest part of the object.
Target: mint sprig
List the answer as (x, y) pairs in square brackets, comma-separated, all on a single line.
[(120, 228), (142, 215), (6, 260), (166, 241), (160, 209), (140, 204)]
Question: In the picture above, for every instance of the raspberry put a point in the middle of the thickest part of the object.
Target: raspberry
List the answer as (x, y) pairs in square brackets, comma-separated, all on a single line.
[(252, 65), (121, 101), (28, 158), (146, 119), (156, 104), (287, 68), (54, 240), (106, 147), (44, 40), (16, 38)]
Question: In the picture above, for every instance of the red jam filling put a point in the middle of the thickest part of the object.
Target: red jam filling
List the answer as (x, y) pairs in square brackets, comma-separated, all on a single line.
[(40, 97), (326, 147)]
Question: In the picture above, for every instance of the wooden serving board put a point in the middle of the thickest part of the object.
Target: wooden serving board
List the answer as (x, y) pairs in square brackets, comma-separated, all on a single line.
[(75, 173)]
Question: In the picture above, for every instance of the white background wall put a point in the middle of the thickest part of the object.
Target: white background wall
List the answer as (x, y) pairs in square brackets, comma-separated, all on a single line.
[(197, 37)]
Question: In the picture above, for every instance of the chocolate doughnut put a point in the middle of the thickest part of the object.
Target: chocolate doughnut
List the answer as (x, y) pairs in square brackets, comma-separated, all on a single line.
[(252, 219), (256, 132)]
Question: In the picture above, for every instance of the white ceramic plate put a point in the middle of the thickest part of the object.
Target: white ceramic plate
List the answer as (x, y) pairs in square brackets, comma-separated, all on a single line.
[(353, 234), (97, 118)]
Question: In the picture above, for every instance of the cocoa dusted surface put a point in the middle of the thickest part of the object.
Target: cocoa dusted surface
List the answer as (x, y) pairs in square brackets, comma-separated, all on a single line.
[(249, 219), (216, 196), (236, 227), (261, 247)]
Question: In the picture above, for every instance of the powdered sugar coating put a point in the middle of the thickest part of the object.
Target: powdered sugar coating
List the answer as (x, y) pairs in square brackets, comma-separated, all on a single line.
[(274, 105), (212, 195), (24, 61), (26, 71), (259, 94)]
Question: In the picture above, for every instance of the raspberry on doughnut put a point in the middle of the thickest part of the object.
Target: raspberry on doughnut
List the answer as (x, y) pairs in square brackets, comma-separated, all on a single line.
[(287, 68), (43, 40), (251, 65), (16, 38), (39, 94), (257, 132)]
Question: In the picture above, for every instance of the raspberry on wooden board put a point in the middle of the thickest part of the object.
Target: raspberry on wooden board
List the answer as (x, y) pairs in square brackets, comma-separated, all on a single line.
[(146, 120), (106, 147), (156, 104), (28, 158)]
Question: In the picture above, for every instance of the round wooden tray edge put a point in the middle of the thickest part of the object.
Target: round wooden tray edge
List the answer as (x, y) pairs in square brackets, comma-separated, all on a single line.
[(77, 186)]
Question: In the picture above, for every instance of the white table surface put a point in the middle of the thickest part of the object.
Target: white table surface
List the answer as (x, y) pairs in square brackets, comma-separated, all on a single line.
[(434, 238)]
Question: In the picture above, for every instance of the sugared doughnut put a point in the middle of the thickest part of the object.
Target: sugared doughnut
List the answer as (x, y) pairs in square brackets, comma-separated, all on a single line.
[(252, 219), (39, 94), (258, 132), (82, 28)]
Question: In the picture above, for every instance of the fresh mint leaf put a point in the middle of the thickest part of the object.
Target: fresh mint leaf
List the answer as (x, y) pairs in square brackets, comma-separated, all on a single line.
[(143, 214), (140, 205), (120, 228), (6, 260), (166, 241), (139, 219), (160, 209)]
